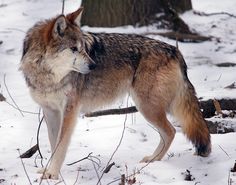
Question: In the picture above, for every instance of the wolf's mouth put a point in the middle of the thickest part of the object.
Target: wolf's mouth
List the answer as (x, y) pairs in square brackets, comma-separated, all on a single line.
[(82, 70)]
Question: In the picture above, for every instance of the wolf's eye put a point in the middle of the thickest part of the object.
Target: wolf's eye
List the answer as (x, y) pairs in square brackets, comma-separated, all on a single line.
[(74, 49)]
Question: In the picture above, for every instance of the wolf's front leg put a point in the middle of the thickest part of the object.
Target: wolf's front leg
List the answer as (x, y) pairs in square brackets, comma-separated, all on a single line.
[(63, 140), (53, 118)]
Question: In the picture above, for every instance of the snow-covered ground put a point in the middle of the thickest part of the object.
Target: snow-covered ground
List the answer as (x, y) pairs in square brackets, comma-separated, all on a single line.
[(101, 135)]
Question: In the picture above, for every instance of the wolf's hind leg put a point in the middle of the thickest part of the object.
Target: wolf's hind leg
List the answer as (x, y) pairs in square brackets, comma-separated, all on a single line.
[(166, 130)]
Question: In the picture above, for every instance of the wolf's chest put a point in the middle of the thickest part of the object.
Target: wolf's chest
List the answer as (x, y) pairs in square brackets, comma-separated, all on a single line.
[(55, 99)]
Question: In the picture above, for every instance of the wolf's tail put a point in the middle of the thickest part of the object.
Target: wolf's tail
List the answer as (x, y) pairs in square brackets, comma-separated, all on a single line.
[(185, 108)]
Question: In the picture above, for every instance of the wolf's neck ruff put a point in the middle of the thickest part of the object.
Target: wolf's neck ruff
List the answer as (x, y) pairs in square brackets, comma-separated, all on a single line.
[(48, 88)]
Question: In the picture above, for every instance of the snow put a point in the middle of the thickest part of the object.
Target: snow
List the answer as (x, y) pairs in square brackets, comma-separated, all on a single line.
[(101, 135)]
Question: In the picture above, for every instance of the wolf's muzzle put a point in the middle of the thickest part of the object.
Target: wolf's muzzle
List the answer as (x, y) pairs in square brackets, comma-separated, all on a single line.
[(92, 66)]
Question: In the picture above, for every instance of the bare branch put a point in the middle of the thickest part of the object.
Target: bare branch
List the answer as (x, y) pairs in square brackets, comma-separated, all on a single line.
[(2, 98), (40, 123), (217, 107), (15, 106), (231, 86), (229, 179), (107, 169), (24, 168), (234, 167), (23, 111), (63, 7), (122, 180), (63, 180), (138, 171), (59, 182), (29, 153), (224, 151), (77, 178), (207, 106), (4, 80), (214, 13), (126, 110), (181, 37), (117, 147), (45, 169), (93, 162), (80, 159)]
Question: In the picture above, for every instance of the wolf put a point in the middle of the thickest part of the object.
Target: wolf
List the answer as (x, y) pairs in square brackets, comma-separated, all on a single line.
[(69, 71)]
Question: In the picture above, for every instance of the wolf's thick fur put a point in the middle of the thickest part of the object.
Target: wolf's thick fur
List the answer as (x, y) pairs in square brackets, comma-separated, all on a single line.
[(70, 71)]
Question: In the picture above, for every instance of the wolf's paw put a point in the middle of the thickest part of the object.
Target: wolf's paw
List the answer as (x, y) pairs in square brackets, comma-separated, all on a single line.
[(47, 174), (149, 159), (50, 175), (203, 150)]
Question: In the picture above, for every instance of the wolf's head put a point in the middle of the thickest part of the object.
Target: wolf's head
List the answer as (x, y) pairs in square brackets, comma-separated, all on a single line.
[(57, 46)]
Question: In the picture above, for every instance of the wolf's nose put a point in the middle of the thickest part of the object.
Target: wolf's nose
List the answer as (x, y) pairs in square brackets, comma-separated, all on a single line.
[(92, 66)]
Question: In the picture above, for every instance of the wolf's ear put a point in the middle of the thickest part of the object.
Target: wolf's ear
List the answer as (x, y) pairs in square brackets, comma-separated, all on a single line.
[(75, 17), (59, 26)]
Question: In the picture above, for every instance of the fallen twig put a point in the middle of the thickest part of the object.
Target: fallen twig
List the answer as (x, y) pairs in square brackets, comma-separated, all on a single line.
[(231, 86), (24, 168), (117, 147), (126, 110), (95, 169), (63, 7), (226, 64), (217, 107), (23, 111), (38, 131), (207, 107), (29, 153), (234, 168), (77, 178), (94, 162), (80, 159), (181, 37), (2, 98), (214, 13), (45, 169), (62, 179), (4, 80), (107, 169), (122, 180), (224, 151), (188, 176), (218, 128), (144, 166), (15, 106), (229, 179)]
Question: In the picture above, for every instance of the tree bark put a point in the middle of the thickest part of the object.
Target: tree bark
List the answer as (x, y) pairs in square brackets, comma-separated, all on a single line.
[(181, 6), (111, 13), (209, 108)]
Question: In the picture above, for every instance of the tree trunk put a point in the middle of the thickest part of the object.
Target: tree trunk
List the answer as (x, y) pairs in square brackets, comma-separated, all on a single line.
[(111, 13), (181, 6)]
